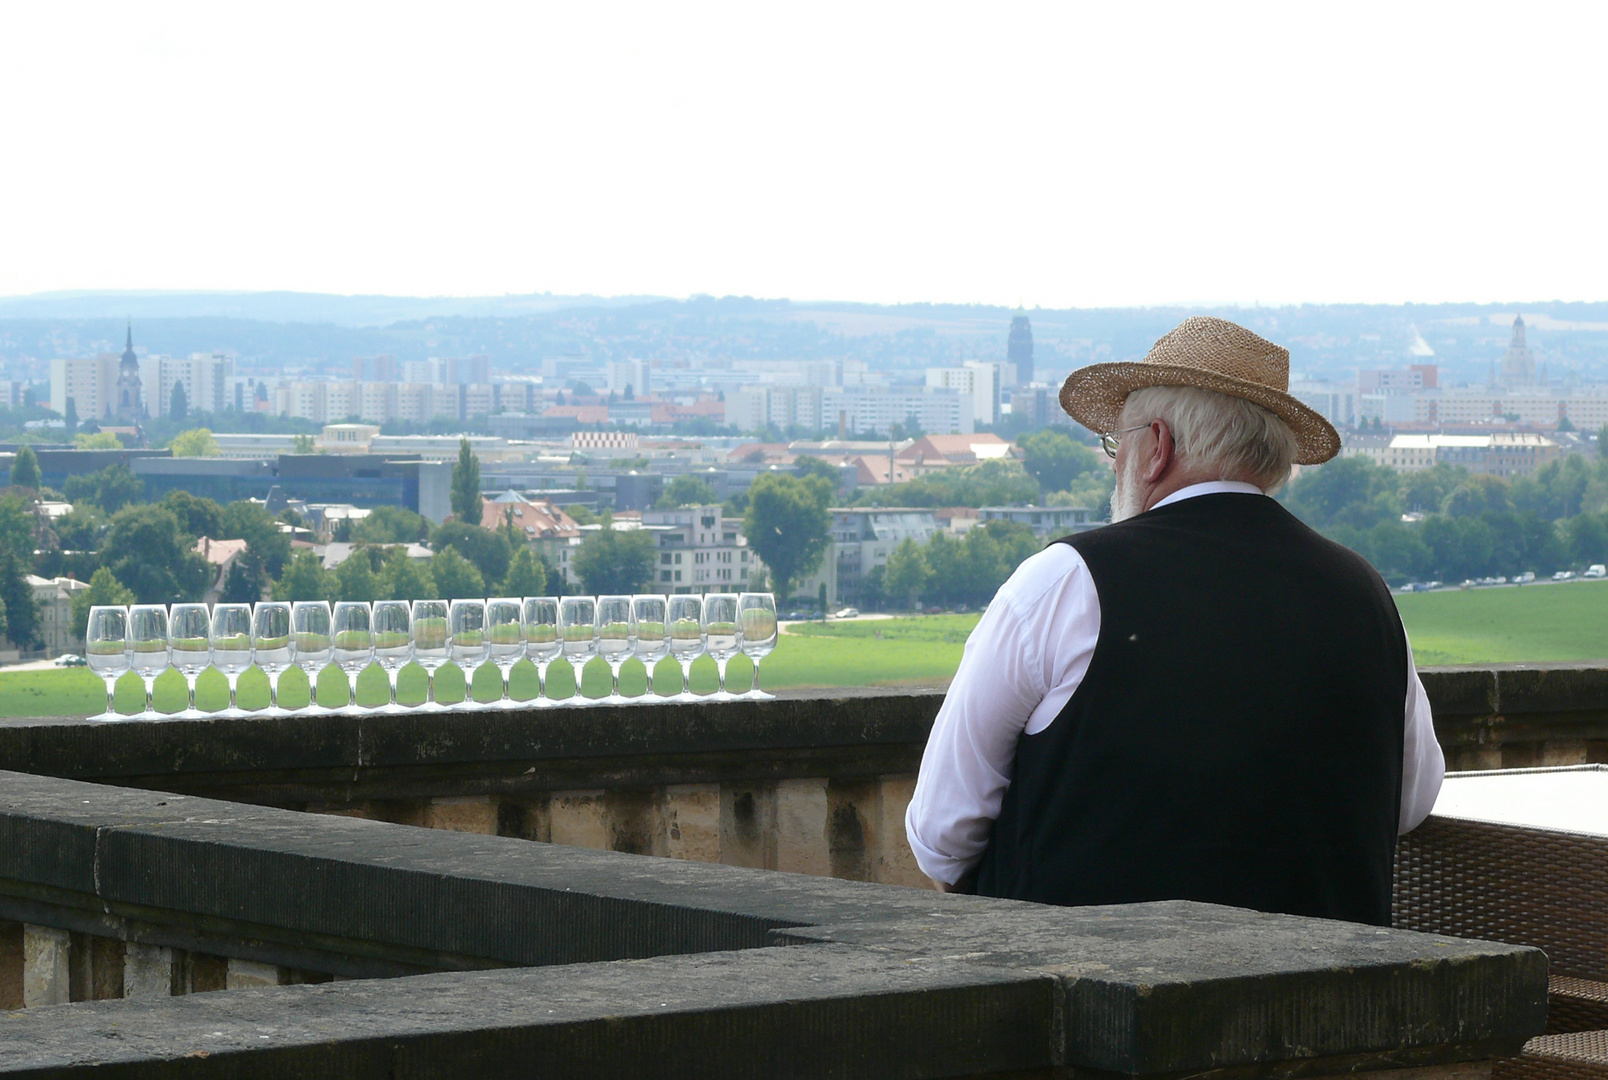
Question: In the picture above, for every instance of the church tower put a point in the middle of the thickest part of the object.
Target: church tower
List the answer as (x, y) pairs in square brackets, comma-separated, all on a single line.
[(1518, 363), (128, 409)]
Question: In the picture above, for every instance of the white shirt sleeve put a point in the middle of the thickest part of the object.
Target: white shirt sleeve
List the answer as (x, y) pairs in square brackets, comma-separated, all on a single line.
[(1423, 765), (1022, 663)]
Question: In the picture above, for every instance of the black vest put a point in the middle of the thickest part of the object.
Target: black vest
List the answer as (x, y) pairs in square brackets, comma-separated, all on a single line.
[(1238, 736)]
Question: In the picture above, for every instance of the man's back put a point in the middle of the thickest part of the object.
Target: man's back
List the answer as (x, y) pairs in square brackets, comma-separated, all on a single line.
[(1238, 735)]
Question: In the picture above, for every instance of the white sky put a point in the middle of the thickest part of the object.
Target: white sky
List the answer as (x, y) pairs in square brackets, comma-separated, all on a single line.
[(1056, 154)]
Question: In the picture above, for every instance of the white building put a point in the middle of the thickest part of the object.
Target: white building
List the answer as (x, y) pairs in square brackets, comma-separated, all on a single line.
[(876, 409), (205, 377), (700, 550), (89, 382), (980, 379), (1499, 454), (636, 374), (753, 408), (1335, 402)]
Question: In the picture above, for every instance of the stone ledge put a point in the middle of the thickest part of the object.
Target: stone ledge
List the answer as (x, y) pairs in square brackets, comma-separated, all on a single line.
[(833, 1011)]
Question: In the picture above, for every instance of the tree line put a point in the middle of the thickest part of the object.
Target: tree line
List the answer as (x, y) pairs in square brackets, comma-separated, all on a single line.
[(1446, 523)]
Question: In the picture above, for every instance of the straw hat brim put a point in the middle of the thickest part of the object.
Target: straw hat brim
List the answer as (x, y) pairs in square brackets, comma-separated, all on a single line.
[(1093, 396)]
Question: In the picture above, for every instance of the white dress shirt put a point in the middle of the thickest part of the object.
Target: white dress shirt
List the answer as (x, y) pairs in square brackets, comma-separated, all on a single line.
[(1022, 663)]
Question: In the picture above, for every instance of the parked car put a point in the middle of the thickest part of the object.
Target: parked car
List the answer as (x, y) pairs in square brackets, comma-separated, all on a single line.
[(849, 613), (1563, 575), (71, 660), (1524, 578), (1596, 570)]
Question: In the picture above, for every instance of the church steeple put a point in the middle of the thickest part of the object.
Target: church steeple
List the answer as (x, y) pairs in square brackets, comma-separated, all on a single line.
[(129, 359), (128, 406)]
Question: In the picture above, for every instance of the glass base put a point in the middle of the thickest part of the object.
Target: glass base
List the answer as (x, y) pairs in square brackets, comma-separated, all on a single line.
[(756, 694)]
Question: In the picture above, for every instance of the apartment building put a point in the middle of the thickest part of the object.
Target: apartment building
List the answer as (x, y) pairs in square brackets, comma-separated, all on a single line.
[(700, 550), (1503, 453), (89, 382), (205, 377), (876, 409), (978, 379)]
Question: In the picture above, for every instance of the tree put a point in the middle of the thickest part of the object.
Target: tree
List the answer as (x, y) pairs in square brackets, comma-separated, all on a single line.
[(686, 490), (908, 573), (616, 563), (302, 444), (391, 525), (197, 516), (488, 551), (526, 575), (197, 442), (355, 580), (98, 440), (252, 523), (466, 485), (455, 577), (147, 550), (407, 579), (25, 469), (104, 591), (247, 579), (17, 523), (80, 528), (179, 405), (1054, 459), (805, 465), (22, 613), (787, 525), (111, 488), (304, 579), (71, 424), (1347, 491)]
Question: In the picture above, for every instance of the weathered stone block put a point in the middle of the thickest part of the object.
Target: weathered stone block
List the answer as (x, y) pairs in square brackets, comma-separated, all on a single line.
[(147, 971), (244, 974), (893, 862), (579, 819), (748, 825), (46, 970), (692, 822), (97, 968), (1566, 752), (801, 827), (11, 964), (851, 804), (470, 814)]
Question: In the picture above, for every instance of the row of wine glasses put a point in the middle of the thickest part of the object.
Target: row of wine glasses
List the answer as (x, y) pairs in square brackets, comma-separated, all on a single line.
[(147, 639)]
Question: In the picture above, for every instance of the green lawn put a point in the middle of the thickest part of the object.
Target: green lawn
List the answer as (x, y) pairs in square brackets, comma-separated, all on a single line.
[(1535, 623), (1528, 624)]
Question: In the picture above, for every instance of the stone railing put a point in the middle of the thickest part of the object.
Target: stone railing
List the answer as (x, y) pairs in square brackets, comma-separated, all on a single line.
[(214, 853)]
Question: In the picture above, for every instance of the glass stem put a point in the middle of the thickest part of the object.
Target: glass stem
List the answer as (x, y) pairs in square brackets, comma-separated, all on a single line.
[(755, 688), (507, 671), (393, 673), (686, 676), (614, 672), (273, 690), (190, 680), (429, 686), (721, 666), (111, 684), (234, 682), (150, 692), (541, 679)]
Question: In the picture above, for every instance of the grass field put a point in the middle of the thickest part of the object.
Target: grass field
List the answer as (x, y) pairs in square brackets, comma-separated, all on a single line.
[(1535, 623)]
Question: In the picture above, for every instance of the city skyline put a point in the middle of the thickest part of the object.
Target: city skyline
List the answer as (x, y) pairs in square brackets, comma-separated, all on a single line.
[(1042, 154)]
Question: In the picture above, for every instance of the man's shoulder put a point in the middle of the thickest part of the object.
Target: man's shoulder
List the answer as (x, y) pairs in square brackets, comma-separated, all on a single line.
[(1042, 575)]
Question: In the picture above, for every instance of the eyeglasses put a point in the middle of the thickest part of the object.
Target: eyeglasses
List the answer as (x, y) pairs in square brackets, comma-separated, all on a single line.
[(1110, 440)]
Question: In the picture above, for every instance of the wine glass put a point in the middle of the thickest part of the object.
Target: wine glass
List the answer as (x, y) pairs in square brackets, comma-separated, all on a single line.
[(231, 646), (723, 635), (684, 619), (352, 635), (466, 643), (505, 635), (652, 635), (393, 640), (429, 642), (106, 650), (616, 637), (542, 642), (577, 629), (758, 612), (190, 644), (148, 647), (311, 644), (271, 644)]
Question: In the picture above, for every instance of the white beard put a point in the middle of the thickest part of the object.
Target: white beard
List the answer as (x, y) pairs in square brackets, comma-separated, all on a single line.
[(1127, 499)]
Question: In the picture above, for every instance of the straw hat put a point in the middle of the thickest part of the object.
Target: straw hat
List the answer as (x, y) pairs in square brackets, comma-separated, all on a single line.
[(1213, 354)]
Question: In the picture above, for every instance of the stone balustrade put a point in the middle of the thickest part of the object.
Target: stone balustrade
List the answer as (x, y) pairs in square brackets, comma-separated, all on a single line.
[(152, 860)]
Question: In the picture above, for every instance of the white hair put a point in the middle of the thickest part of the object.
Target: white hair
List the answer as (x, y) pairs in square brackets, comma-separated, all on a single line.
[(1216, 433)]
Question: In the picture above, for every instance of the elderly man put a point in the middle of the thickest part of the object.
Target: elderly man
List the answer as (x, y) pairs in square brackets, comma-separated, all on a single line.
[(1204, 700)]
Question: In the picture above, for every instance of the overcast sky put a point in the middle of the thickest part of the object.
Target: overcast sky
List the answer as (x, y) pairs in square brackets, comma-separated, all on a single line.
[(1065, 155)]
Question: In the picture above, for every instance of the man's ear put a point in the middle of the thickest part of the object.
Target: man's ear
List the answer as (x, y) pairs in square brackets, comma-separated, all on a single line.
[(1163, 457)]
